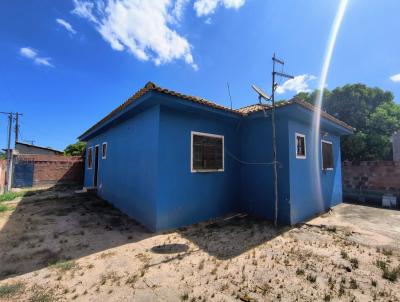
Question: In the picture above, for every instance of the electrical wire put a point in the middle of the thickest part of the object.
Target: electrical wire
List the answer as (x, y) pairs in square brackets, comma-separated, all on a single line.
[(246, 162)]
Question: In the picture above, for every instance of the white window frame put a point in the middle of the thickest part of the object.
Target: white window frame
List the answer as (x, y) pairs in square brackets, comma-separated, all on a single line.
[(91, 167), (102, 155), (191, 152), (322, 156), (305, 145)]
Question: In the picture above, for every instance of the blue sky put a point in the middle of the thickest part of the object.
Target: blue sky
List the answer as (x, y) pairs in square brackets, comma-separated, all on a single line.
[(66, 64)]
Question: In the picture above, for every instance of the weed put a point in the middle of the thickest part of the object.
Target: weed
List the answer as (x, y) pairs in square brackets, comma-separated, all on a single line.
[(201, 265), (65, 265), (341, 290), (131, 279), (331, 229), (391, 274), (327, 297), (353, 284), (312, 278), (9, 290), (106, 255), (387, 252), (381, 264), (185, 297), (374, 283), (40, 295), (299, 272), (354, 262), (344, 254)]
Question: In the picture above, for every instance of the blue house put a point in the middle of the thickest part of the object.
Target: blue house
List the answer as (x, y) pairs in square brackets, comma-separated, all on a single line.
[(168, 159)]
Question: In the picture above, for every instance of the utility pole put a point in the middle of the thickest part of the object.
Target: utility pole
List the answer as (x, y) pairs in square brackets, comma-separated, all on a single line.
[(8, 171), (274, 85), (17, 127)]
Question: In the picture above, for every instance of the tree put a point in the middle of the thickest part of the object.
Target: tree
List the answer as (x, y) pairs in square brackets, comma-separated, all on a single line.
[(77, 149), (371, 111)]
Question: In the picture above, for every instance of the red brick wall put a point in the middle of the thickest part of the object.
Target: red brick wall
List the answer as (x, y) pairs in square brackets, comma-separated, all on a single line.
[(38, 170)]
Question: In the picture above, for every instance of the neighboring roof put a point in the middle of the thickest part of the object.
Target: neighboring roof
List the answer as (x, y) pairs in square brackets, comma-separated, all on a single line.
[(39, 147), (150, 86)]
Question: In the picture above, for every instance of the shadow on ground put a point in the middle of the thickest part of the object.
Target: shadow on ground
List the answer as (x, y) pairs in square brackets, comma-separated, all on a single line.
[(43, 231), (229, 237), (56, 225)]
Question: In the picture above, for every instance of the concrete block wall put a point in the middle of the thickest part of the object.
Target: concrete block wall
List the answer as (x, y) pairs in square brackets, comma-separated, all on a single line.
[(3, 165), (42, 170), (370, 180)]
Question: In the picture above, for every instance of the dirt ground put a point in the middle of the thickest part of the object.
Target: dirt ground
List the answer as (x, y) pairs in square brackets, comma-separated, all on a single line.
[(56, 246)]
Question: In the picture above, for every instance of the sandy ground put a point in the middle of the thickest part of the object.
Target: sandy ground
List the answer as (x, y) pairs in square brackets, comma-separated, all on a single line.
[(55, 246)]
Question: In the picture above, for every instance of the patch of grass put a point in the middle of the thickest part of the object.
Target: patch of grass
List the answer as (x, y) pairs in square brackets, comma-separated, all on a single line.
[(344, 254), (391, 274), (327, 297), (381, 264), (387, 252), (354, 262), (3, 208), (64, 265), (12, 195), (10, 290), (387, 273), (311, 278), (374, 283)]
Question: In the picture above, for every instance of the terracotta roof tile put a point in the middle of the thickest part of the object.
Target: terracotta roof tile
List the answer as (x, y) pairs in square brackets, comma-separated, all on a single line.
[(241, 111)]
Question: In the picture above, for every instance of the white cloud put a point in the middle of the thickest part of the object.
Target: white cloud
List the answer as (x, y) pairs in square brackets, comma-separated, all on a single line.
[(84, 9), (179, 8), (28, 52), (208, 7), (395, 78), (143, 28), (298, 84), (32, 54), (66, 25), (147, 28)]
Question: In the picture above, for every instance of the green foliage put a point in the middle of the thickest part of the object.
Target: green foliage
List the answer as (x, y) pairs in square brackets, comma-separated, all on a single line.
[(3, 208), (3, 155), (64, 265), (11, 195), (9, 290), (371, 111), (77, 149)]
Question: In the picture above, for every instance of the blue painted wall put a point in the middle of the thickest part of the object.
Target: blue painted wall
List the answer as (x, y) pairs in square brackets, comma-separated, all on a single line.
[(127, 177), (306, 200), (257, 182), (185, 197)]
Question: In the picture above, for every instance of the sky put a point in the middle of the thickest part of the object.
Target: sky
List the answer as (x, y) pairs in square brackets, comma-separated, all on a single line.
[(65, 64)]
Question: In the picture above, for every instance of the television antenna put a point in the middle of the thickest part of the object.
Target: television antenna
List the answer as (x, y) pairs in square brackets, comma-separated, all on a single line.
[(263, 95)]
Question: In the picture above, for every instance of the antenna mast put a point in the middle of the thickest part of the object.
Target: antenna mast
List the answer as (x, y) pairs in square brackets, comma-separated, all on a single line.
[(229, 92), (274, 86)]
